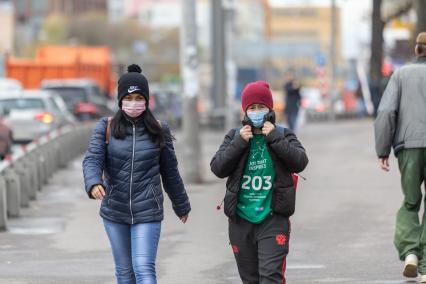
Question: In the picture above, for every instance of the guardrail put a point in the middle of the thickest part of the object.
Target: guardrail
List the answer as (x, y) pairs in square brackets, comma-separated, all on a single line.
[(24, 173)]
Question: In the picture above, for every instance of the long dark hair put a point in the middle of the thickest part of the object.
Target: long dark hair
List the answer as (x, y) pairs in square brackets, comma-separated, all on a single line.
[(120, 122)]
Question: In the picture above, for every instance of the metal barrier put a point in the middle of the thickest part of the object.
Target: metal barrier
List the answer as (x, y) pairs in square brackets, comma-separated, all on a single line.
[(25, 172)]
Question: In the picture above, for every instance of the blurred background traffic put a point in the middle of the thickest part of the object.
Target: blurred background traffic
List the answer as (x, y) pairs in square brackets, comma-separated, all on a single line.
[(60, 59)]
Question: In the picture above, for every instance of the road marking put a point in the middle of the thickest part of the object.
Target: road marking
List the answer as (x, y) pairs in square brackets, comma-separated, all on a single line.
[(336, 280), (305, 266), (407, 281)]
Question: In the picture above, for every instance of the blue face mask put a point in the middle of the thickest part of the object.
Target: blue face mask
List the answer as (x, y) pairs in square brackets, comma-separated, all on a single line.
[(257, 117)]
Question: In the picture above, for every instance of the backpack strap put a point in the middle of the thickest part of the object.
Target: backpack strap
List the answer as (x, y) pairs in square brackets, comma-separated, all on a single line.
[(108, 130)]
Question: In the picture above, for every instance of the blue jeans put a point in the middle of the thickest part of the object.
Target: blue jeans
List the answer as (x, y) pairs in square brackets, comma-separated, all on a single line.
[(134, 248)]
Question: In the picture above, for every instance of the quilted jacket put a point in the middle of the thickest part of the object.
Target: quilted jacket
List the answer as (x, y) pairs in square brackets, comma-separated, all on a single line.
[(131, 171)]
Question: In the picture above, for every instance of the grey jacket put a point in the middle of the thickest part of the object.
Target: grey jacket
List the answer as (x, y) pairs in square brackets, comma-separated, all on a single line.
[(401, 118)]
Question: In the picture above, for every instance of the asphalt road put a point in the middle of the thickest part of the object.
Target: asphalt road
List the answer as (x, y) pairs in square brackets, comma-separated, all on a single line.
[(341, 233)]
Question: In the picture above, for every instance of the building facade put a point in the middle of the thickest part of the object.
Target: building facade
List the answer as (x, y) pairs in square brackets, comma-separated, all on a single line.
[(26, 10)]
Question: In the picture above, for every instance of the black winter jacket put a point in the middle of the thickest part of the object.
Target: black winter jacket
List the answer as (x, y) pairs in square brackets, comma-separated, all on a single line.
[(287, 154), (132, 168)]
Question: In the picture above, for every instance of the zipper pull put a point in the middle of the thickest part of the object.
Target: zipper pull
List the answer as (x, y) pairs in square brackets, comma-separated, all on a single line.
[(302, 177), (219, 206)]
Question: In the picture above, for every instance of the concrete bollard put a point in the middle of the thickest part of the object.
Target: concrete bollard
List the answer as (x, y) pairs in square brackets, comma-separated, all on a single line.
[(24, 180), (28, 184), (69, 153), (3, 205), (46, 152), (57, 154), (71, 146), (53, 152), (13, 192), (43, 164), (36, 169), (65, 149), (31, 167), (50, 159), (41, 167)]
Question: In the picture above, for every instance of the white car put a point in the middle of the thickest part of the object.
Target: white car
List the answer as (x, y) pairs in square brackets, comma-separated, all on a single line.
[(32, 113), (10, 85)]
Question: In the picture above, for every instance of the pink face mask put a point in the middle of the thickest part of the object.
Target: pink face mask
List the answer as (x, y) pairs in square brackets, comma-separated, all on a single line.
[(133, 108)]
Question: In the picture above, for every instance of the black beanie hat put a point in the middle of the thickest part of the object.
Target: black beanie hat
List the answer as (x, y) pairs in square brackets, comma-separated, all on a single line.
[(133, 82)]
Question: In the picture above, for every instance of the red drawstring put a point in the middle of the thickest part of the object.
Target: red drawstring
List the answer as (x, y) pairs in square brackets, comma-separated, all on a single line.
[(219, 206)]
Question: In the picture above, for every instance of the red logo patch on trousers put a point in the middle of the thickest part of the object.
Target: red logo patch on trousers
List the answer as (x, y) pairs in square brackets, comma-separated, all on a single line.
[(281, 239), (234, 248)]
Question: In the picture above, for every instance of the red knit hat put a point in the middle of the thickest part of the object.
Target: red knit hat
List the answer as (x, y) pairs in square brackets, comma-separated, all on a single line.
[(257, 93)]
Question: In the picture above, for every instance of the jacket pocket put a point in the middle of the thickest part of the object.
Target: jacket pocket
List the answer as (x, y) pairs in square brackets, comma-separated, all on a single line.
[(230, 204), (155, 197), (284, 201)]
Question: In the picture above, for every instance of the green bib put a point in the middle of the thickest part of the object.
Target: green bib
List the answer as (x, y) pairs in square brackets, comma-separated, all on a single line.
[(254, 200)]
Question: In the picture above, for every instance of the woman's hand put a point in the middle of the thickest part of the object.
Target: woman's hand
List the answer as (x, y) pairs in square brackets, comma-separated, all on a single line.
[(267, 128), (97, 192), (246, 133), (184, 218)]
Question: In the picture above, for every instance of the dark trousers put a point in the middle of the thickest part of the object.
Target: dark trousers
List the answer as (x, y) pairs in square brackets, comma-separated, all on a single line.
[(261, 249), (292, 120)]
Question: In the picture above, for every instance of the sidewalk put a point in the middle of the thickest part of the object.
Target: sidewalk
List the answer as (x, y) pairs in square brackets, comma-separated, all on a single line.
[(341, 233), (60, 237)]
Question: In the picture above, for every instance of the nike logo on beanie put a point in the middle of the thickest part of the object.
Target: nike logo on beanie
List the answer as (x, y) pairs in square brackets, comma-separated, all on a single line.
[(133, 89)]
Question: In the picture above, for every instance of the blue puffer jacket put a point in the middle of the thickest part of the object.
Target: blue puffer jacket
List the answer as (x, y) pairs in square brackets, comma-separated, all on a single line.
[(132, 168)]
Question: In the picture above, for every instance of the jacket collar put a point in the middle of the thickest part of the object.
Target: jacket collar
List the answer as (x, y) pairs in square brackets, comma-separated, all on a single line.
[(421, 59), (138, 121)]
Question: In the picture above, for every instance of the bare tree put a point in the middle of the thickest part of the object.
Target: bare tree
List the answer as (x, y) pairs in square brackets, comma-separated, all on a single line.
[(379, 21), (376, 58), (421, 16)]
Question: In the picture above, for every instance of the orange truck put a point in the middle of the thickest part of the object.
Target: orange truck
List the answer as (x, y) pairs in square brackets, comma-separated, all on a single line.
[(64, 62)]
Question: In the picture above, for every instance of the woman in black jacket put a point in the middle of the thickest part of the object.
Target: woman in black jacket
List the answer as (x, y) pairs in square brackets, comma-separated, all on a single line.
[(258, 159), (124, 165)]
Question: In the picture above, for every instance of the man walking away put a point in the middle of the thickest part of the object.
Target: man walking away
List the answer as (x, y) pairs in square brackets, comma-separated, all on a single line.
[(401, 123)]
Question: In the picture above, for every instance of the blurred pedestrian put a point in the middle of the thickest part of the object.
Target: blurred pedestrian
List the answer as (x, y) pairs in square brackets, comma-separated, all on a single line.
[(258, 159), (401, 123), (292, 101), (124, 165)]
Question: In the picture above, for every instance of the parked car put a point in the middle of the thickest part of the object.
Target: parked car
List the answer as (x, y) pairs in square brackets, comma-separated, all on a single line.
[(82, 97), (5, 137), (32, 113), (8, 84)]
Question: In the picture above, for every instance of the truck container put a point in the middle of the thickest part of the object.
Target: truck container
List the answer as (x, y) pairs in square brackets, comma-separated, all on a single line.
[(64, 62)]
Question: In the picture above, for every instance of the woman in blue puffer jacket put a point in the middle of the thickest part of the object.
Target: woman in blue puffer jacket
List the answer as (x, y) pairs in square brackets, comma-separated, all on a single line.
[(124, 168)]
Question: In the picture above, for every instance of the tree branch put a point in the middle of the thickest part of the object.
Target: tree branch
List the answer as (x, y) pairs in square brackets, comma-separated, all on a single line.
[(399, 12)]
